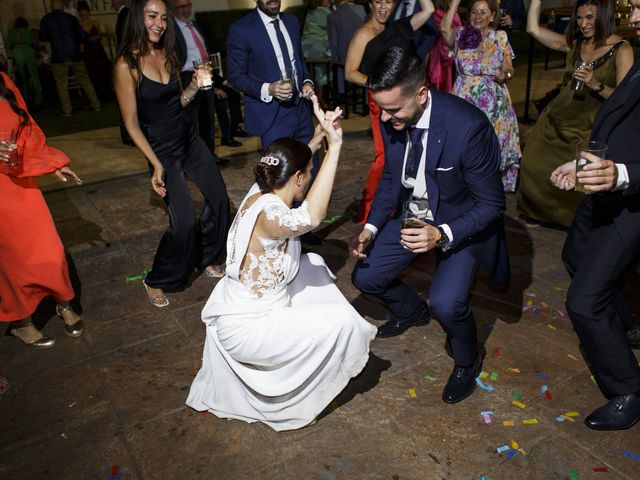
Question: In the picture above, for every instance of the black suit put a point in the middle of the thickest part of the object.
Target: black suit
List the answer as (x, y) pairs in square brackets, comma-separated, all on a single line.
[(201, 110), (603, 242)]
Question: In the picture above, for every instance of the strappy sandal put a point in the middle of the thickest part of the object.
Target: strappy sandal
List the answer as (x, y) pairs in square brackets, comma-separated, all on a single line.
[(217, 271), (156, 300), (72, 330)]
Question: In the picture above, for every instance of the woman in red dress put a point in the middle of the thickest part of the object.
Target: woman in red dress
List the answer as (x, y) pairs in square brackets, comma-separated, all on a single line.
[(32, 261)]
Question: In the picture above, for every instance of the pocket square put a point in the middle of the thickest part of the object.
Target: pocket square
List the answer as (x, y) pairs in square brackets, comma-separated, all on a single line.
[(442, 169)]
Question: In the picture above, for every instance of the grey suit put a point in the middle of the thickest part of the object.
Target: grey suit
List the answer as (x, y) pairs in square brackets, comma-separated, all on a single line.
[(341, 25)]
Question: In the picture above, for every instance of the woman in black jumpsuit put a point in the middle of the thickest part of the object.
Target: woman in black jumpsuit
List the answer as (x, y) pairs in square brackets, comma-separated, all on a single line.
[(151, 102)]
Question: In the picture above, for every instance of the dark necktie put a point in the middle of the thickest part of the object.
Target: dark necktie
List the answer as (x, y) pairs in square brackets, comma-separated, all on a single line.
[(286, 57), (405, 10), (415, 152)]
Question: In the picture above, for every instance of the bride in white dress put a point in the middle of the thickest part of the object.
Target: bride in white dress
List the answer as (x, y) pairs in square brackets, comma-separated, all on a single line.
[(282, 341)]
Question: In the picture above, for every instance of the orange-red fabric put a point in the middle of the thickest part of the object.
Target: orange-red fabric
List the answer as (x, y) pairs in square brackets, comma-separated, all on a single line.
[(32, 261), (375, 171)]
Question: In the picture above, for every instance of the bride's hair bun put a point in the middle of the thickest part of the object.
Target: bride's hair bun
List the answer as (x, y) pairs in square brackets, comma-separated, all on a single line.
[(281, 161)]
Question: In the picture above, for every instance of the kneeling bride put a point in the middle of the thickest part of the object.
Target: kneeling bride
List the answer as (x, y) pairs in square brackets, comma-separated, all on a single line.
[(281, 341)]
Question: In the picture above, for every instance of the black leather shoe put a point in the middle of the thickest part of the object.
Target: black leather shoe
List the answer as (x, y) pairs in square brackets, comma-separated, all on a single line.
[(633, 337), (239, 132), (462, 382), (620, 413), (395, 327), (220, 161), (230, 142)]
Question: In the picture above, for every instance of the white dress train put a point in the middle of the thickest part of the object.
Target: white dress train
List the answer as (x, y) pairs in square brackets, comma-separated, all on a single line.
[(282, 341)]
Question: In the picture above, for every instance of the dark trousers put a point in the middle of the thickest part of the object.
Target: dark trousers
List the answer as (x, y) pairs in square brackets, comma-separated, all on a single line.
[(596, 258), (201, 111), (229, 106), (377, 275), (186, 244), (293, 121)]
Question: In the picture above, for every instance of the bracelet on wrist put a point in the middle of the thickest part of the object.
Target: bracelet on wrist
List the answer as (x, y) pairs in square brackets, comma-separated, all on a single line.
[(187, 99)]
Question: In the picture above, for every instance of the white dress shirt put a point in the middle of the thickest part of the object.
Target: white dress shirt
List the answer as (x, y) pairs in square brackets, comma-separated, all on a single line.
[(418, 185), (271, 31), (410, 8), (193, 52)]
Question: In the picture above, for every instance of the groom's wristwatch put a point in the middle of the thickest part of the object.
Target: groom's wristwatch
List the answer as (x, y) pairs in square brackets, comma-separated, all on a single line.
[(444, 240)]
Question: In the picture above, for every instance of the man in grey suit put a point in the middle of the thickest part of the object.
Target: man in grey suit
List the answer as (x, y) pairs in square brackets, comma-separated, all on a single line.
[(341, 25)]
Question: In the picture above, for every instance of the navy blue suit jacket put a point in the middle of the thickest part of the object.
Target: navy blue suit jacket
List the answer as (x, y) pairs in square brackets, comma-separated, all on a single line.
[(462, 176), (425, 37), (616, 124), (252, 62)]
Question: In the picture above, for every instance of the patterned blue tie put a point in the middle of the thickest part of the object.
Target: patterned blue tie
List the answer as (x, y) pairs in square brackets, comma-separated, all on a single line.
[(415, 152), (286, 57)]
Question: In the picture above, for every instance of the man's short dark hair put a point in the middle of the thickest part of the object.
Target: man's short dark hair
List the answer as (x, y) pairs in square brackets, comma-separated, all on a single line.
[(397, 67)]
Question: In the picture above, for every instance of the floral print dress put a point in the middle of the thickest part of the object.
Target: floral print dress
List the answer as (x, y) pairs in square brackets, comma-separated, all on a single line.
[(476, 83)]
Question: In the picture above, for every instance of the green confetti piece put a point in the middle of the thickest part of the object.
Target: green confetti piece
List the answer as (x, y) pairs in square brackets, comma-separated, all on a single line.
[(441, 334), (573, 474), (430, 378), (133, 278), (335, 218), (515, 394), (494, 376)]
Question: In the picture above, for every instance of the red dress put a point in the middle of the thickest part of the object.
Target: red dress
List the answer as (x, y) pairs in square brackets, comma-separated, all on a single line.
[(32, 261)]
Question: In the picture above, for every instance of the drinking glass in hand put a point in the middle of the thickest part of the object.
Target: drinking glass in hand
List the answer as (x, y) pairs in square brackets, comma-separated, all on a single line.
[(204, 71), (286, 80), (578, 85), (596, 148), (8, 148), (414, 213)]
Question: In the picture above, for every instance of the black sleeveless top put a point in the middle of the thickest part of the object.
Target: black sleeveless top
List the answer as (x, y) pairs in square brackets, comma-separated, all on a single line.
[(158, 102)]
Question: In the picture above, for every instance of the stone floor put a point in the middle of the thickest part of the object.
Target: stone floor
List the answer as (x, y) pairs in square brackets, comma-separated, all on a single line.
[(111, 404)]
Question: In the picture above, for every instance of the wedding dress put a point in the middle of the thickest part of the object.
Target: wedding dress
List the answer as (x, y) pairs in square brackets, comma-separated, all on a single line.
[(281, 340)]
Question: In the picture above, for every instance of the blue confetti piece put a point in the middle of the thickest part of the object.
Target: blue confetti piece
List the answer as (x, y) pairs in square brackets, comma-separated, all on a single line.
[(502, 449), (488, 388), (487, 413), (560, 419), (543, 389), (512, 453), (116, 476), (632, 455), (542, 376)]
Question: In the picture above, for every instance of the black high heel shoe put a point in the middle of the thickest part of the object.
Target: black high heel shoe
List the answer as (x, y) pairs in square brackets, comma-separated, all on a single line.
[(75, 330)]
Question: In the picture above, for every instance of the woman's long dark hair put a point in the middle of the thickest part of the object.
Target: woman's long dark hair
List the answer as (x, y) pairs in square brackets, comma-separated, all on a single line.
[(7, 93), (605, 22), (135, 40)]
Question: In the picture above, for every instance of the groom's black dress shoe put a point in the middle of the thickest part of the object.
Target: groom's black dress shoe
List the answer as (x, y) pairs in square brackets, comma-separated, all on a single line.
[(394, 327), (621, 412), (462, 382)]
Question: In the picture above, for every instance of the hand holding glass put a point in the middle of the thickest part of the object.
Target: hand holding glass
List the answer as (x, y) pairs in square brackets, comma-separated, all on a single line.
[(286, 80), (204, 71), (596, 148)]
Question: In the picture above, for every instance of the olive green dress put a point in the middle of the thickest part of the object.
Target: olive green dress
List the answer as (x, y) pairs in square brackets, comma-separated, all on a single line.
[(561, 125)]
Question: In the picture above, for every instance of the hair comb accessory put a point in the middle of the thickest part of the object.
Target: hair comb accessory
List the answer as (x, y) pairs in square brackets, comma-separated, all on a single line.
[(269, 160)]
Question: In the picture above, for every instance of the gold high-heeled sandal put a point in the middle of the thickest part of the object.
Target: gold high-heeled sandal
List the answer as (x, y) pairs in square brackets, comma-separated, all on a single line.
[(74, 330), (40, 343)]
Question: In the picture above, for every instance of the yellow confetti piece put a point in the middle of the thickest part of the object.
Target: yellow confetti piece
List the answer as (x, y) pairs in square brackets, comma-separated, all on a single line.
[(514, 370), (530, 421), (412, 393), (544, 304), (572, 357), (508, 423), (567, 418), (514, 444), (572, 414), (518, 404), (484, 375), (551, 326), (529, 302), (558, 289)]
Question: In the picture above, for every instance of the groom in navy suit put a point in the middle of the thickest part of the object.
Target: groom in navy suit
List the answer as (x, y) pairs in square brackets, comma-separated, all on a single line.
[(261, 47), (442, 149)]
